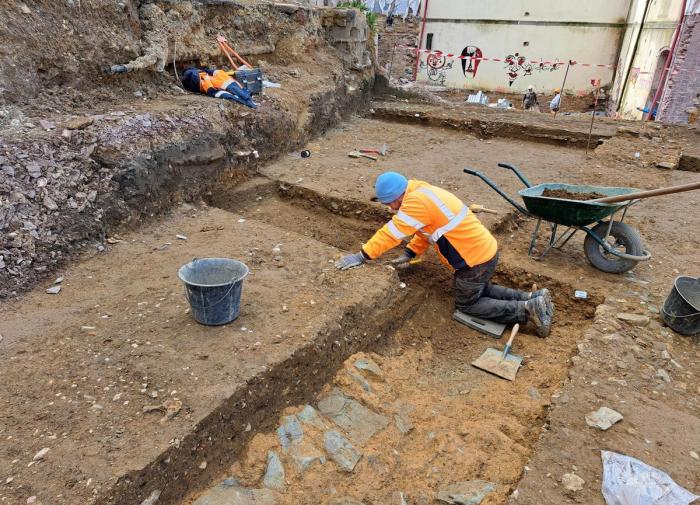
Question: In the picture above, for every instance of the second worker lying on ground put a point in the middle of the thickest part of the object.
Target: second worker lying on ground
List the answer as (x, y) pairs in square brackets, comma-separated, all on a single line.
[(432, 215)]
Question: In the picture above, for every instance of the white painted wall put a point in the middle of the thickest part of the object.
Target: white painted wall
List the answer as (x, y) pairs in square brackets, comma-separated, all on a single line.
[(602, 11), (585, 31)]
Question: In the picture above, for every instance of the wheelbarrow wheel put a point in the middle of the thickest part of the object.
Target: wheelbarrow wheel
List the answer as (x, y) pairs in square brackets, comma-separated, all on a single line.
[(622, 238)]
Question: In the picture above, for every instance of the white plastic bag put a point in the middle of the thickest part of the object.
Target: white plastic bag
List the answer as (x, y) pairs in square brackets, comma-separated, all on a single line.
[(628, 481)]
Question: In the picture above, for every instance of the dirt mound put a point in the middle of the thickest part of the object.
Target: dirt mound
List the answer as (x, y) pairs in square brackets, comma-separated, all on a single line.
[(84, 152), (568, 195)]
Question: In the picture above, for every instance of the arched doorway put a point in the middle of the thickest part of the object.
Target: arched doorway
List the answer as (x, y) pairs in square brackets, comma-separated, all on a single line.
[(661, 63)]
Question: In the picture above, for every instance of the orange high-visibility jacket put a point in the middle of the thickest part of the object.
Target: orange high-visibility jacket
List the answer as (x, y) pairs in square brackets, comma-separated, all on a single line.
[(435, 216), (218, 80)]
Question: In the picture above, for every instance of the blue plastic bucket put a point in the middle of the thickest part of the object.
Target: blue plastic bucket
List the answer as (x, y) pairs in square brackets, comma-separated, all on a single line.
[(213, 288)]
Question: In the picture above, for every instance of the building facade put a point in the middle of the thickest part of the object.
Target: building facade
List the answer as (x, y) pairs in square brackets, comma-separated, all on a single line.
[(534, 40), (625, 45)]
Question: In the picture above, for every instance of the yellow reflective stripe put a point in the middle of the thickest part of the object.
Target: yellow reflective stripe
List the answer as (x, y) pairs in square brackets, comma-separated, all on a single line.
[(393, 229), (410, 221), (441, 205), (451, 224)]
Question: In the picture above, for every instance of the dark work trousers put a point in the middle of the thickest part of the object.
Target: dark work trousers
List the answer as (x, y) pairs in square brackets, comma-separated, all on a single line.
[(476, 296)]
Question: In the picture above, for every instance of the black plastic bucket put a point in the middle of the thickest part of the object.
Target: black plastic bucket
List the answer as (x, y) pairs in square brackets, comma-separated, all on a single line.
[(681, 309), (213, 289)]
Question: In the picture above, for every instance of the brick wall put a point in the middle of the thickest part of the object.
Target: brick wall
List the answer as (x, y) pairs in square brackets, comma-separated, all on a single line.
[(683, 85)]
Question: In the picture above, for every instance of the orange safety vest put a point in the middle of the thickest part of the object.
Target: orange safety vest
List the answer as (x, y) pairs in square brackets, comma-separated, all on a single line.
[(219, 80), (435, 216)]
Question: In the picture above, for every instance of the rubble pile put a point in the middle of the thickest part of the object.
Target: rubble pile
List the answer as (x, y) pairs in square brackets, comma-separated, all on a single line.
[(49, 193)]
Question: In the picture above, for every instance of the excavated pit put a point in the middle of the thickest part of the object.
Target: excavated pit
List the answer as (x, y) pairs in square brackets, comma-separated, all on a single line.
[(419, 415)]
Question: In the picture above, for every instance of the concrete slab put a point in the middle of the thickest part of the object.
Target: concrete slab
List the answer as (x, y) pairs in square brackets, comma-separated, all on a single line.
[(83, 364)]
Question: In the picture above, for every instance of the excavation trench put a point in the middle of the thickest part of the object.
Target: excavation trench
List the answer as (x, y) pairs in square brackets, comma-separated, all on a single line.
[(424, 418)]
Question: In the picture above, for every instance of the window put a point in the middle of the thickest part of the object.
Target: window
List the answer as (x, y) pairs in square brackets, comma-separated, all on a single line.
[(429, 41)]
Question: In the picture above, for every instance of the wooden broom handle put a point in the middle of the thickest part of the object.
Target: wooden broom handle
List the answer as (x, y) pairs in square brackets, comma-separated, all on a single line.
[(647, 194)]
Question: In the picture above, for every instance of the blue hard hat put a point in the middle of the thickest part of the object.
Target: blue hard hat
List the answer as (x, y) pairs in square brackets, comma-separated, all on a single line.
[(190, 80), (390, 186)]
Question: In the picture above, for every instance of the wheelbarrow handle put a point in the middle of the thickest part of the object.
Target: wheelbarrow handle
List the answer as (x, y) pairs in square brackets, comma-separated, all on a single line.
[(517, 172), (648, 194), (498, 190)]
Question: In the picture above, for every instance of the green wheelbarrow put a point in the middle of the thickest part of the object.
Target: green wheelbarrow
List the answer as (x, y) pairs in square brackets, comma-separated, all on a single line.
[(611, 246)]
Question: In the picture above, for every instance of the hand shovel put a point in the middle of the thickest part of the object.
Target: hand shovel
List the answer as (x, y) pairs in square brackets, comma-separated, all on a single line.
[(501, 363)]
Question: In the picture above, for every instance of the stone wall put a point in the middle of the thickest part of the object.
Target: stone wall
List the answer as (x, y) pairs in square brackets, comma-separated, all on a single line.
[(402, 32), (679, 103), (348, 32)]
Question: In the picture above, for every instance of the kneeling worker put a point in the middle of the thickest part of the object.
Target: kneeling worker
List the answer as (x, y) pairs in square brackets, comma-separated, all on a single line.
[(435, 216)]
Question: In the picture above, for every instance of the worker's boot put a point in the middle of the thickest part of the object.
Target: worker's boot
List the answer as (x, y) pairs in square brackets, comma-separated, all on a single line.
[(547, 295), (538, 316)]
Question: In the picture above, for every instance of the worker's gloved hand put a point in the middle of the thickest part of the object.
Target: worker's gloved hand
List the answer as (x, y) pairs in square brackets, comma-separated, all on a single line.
[(402, 261), (350, 261)]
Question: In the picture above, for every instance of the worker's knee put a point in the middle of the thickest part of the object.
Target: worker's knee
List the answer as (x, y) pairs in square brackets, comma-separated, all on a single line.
[(467, 293)]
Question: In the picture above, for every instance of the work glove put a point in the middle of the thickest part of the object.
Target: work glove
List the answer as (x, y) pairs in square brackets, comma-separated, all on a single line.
[(402, 261), (350, 261)]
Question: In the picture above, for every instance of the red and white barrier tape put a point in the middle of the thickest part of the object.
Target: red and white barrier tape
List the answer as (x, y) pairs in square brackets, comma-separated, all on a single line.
[(474, 58)]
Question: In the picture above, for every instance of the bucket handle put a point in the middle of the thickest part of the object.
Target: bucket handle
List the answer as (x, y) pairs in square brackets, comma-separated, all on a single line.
[(204, 307)]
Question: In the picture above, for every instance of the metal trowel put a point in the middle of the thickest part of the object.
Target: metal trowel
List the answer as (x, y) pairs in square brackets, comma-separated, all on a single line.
[(501, 363)]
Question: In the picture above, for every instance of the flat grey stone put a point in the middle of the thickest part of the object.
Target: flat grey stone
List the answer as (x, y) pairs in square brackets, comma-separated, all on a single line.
[(226, 495), (54, 290), (290, 432), (357, 420), (471, 492), (533, 393), (369, 366), (152, 498), (663, 375), (403, 424), (603, 418), (666, 164), (633, 319), (572, 482), (274, 474), (308, 415), (341, 450), (361, 381)]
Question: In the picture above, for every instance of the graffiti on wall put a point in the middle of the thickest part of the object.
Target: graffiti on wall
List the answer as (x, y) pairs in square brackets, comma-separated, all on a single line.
[(436, 66), (470, 66), (517, 65)]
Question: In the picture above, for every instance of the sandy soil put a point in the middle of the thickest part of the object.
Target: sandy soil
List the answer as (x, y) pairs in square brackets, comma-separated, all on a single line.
[(620, 373), (324, 201), (466, 424), (80, 366)]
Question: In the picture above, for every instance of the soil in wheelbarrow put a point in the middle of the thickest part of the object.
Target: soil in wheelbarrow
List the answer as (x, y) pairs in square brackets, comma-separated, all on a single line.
[(568, 195)]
